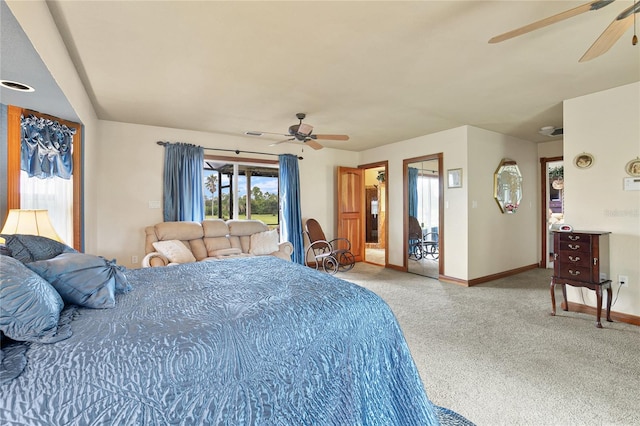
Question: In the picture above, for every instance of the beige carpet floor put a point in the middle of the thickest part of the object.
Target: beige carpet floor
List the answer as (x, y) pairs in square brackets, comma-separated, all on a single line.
[(494, 354)]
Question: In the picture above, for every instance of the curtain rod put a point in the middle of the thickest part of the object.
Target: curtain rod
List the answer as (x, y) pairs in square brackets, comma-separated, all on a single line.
[(237, 151)]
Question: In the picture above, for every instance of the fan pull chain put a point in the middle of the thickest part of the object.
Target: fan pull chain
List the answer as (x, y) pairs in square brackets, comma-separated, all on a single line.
[(634, 39)]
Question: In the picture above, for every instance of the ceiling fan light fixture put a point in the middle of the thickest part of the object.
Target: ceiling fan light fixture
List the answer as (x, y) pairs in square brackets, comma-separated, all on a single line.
[(551, 131), (304, 129)]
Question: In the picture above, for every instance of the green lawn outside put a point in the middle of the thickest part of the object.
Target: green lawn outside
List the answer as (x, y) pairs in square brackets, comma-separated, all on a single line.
[(269, 219)]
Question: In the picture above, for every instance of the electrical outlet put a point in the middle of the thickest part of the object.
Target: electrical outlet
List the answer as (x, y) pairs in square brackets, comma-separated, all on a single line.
[(623, 280), (134, 259)]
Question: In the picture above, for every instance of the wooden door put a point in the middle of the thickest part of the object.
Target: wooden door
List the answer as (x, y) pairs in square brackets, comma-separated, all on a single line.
[(351, 209)]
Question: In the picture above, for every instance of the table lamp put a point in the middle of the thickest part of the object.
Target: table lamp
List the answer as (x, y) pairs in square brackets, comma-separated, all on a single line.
[(30, 222)]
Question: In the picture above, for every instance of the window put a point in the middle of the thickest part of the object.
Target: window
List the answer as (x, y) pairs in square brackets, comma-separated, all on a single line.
[(61, 197), (241, 190)]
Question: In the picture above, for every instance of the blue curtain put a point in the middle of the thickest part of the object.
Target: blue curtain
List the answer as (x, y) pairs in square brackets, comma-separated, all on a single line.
[(291, 224), (413, 192), (46, 148), (183, 182)]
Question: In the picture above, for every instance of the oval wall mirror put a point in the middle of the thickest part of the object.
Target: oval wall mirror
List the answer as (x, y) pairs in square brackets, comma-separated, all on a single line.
[(507, 186)]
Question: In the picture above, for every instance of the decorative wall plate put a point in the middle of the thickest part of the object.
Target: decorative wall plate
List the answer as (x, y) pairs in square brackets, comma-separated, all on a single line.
[(633, 167), (583, 161)]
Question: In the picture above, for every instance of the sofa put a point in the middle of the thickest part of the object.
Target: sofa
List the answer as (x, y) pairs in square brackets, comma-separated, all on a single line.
[(169, 243)]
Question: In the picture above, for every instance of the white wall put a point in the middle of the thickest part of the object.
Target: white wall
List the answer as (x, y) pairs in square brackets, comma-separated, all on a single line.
[(478, 241), (129, 175), (606, 125), (550, 149), (501, 242), (452, 143)]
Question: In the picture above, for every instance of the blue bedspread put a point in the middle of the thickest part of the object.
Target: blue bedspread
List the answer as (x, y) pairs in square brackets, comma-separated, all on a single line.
[(235, 342)]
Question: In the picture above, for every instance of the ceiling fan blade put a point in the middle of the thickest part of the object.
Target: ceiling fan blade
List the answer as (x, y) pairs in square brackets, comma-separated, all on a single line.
[(331, 137), (612, 34), (282, 141), (313, 144), (592, 5), (257, 133)]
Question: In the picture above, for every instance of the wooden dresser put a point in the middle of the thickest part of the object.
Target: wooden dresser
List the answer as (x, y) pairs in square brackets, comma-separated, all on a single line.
[(581, 259)]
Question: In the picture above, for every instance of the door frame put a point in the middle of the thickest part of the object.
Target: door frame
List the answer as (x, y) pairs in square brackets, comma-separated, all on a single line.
[(544, 207), (385, 165), (405, 208)]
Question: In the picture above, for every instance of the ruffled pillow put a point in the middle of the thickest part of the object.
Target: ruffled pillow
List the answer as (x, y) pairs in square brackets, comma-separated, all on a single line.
[(83, 279), (264, 242), (175, 251), (30, 307)]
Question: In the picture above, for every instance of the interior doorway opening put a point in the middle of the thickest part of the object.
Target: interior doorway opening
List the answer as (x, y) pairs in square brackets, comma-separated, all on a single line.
[(375, 212)]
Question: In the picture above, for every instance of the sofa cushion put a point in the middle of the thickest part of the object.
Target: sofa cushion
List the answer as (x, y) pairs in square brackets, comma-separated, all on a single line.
[(175, 251), (240, 232), (245, 227), (215, 228), (226, 252), (183, 231), (264, 242)]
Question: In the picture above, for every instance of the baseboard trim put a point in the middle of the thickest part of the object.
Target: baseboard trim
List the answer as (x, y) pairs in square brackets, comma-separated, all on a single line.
[(616, 316), (503, 274), (475, 281), (396, 267)]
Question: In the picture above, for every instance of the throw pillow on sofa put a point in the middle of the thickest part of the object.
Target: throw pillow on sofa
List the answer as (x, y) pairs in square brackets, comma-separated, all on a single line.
[(175, 251), (264, 242)]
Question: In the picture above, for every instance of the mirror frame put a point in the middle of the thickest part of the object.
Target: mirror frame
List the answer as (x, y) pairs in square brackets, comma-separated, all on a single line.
[(511, 205)]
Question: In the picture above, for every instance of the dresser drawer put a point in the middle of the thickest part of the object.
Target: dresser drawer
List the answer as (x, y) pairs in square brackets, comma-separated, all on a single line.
[(573, 246), (575, 238), (571, 258), (577, 273)]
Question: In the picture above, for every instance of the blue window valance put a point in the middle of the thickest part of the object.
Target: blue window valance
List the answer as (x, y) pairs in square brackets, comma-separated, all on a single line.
[(46, 148)]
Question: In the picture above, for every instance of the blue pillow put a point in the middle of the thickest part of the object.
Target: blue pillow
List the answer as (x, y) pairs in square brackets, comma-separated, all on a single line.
[(29, 248), (81, 279), (4, 250), (29, 306)]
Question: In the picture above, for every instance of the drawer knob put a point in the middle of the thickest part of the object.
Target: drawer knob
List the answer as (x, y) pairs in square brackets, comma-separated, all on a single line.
[(574, 259), (574, 237), (574, 273), (574, 246)]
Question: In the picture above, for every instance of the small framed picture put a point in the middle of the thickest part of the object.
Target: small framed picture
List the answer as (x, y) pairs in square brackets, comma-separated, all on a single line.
[(583, 161), (633, 168), (454, 178)]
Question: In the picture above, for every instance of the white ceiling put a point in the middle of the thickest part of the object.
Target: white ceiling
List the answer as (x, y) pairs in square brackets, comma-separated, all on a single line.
[(380, 72)]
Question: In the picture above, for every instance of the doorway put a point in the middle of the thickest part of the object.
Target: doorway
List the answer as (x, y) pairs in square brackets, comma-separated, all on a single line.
[(552, 177), (423, 215), (375, 212)]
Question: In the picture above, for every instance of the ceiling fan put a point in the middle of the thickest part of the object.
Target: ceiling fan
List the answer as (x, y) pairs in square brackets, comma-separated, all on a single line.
[(607, 39), (302, 132)]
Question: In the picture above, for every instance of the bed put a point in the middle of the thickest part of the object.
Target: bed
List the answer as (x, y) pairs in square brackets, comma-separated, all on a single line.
[(234, 342)]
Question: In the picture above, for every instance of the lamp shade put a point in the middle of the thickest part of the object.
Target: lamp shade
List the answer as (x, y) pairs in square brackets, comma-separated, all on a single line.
[(30, 222)]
